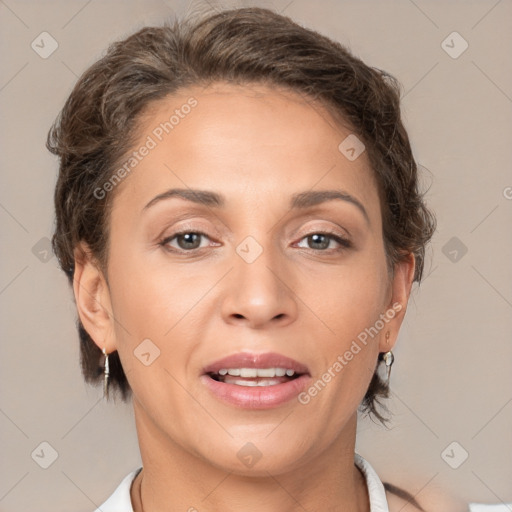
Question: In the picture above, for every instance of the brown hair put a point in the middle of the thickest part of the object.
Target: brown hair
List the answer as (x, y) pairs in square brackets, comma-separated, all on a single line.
[(98, 125)]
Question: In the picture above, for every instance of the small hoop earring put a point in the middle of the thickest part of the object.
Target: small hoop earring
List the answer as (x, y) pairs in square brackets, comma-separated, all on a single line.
[(106, 374)]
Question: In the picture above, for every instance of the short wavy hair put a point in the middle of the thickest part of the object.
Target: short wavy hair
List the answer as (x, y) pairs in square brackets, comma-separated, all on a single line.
[(98, 125)]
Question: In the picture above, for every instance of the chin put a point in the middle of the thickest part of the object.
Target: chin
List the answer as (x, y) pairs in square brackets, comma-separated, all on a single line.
[(256, 458)]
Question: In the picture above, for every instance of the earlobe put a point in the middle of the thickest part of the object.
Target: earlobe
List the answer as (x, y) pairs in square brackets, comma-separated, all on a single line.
[(92, 298)]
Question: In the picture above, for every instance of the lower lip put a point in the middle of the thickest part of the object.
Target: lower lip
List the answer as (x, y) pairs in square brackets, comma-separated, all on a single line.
[(256, 397)]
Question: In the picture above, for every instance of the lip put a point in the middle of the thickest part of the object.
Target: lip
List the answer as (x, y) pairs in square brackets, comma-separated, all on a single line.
[(251, 360), (257, 397)]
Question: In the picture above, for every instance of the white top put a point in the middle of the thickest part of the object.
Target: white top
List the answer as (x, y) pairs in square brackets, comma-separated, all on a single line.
[(482, 507), (120, 501)]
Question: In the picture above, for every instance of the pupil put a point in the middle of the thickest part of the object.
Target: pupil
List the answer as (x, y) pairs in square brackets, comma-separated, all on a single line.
[(315, 238), (188, 238)]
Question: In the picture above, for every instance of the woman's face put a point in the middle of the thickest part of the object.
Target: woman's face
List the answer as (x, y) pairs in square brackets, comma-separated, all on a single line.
[(256, 274)]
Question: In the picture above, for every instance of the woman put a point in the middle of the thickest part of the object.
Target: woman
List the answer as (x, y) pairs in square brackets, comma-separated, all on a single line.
[(239, 216)]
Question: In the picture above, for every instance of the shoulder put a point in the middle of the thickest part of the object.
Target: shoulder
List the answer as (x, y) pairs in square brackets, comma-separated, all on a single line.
[(400, 500)]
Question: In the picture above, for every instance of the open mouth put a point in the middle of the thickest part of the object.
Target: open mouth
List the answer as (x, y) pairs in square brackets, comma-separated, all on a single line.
[(254, 376), (256, 381)]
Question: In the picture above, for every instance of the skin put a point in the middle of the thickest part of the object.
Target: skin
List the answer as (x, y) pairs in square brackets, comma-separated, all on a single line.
[(256, 146)]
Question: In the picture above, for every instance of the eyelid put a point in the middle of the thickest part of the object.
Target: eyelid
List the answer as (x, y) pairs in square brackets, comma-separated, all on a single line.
[(343, 241), (338, 230), (186, 226), (191, 228)]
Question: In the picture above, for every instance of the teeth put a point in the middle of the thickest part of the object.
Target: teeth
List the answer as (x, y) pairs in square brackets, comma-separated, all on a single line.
[(248, 372), (257, 372), (263, 382)]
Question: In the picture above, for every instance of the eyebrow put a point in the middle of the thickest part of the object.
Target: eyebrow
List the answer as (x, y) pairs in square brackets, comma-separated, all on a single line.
[(299, 201)]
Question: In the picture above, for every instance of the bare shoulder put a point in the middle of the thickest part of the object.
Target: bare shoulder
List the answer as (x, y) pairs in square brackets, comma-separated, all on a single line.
[(433, 501)]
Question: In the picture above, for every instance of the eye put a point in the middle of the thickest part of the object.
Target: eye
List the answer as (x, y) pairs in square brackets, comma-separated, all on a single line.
[(187, 241), (321, 241), (190, 241)]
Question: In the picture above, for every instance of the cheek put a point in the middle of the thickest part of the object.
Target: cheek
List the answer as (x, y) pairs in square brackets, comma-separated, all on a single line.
[(352, 297), (142, 309), (149, 296), (345, 357), (160, 303), (150, 317), (146, 297), (350, 306)]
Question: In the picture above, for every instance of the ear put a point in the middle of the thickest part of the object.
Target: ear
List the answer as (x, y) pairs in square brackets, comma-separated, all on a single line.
[(400, 290), (92, 298)]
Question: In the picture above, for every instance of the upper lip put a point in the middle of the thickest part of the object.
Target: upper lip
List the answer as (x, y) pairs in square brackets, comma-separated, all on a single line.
[(251, 360)]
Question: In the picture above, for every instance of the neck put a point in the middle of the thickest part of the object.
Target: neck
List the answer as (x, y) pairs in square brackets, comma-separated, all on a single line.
[(176, 479)]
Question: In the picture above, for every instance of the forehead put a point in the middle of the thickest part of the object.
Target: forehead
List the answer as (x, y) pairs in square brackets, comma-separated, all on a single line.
[(248, 140)]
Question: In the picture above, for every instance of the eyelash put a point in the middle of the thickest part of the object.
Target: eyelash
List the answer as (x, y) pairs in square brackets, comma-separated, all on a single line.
[(342, 241)]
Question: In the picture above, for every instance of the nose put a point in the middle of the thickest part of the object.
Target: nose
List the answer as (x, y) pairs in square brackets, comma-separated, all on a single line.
[(260, 292)]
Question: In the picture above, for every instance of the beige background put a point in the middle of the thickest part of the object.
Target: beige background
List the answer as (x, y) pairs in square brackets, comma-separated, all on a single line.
[(452, 376)]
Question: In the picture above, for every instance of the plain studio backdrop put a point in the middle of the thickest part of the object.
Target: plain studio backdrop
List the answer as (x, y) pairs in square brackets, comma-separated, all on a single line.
[(451, 382)]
